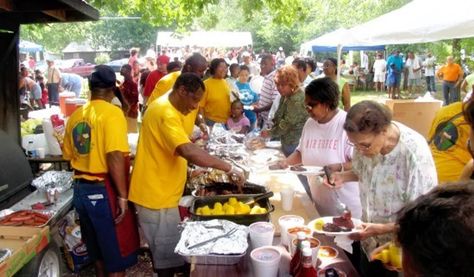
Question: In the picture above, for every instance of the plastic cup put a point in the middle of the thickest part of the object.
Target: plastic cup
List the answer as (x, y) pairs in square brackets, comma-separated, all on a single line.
[(261, 234), (287, 195), (286, 222), (41, 152), (265, 261)]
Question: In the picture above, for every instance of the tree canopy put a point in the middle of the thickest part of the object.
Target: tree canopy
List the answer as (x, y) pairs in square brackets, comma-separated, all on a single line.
[(273, 23)]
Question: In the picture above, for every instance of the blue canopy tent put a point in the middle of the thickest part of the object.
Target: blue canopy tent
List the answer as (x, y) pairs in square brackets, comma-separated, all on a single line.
[(28, 47)]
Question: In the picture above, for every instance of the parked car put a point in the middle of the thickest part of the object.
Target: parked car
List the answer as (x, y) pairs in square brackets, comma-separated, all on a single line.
[(117, 64), (77, 66)]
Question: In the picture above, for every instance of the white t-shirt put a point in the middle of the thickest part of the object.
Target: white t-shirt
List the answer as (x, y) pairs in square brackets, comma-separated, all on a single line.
[(430, 66), (379, 66), (412, 64), (323, 144)]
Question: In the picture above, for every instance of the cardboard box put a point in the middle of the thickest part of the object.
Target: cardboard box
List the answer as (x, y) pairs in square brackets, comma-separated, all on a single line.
[(25, 243), (417, 115)]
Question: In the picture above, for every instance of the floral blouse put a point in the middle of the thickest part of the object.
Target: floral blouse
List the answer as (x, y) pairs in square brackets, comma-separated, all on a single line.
[(290, 118), (389, 182)]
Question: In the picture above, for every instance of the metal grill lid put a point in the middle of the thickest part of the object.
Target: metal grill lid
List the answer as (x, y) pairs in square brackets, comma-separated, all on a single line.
[(15, 171)]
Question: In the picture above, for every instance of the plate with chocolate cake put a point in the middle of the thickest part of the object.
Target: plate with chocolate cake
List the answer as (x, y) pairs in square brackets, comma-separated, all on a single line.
[(336, 225)]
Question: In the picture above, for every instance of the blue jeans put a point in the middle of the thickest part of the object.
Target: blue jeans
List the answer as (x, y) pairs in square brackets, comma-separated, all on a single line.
[(97, 226), (450, 93), (430, 83)]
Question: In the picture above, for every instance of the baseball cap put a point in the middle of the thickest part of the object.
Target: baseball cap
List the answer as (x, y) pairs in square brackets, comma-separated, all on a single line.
[(102, 77)]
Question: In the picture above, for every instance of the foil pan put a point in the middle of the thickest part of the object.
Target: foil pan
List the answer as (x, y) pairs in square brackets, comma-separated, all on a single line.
[(57, 181), (196, 232)]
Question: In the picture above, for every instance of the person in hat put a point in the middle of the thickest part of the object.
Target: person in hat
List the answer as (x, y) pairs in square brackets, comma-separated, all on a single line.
[(53, 81), (96, 144)]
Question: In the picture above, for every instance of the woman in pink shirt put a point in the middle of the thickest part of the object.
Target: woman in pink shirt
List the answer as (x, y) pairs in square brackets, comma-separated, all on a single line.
[(324, 142)]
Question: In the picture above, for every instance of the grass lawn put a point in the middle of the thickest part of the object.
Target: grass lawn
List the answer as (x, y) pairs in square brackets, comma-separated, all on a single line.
[(359, 95)]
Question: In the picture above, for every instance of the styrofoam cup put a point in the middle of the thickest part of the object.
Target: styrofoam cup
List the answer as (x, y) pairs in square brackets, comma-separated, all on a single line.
[(286, 222), (265, 261), (261, 234), (287, 195), (315, 244), (291, 233), (41, 152)]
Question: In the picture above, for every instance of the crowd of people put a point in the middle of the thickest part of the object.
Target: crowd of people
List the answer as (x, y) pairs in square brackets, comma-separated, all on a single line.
[(385, 172)]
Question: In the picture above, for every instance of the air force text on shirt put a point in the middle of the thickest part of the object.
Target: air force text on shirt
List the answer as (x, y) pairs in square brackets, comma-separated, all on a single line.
[(321, 144)]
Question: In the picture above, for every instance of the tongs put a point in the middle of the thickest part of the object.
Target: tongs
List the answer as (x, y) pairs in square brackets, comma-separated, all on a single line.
[(341, 207), (260, 197), (228, 234)]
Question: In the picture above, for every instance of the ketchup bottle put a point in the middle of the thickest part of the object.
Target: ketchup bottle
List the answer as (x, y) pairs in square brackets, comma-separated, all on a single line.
[(307, 269), (296, 260)]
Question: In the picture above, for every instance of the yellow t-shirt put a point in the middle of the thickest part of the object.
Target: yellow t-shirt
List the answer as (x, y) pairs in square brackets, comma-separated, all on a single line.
[(159, 173), (163, 86), (216, 100), (92, 131), (449, 147)]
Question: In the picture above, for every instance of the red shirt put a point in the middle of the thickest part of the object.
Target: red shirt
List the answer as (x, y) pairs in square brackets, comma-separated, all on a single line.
[(129, 91), (151, 81), (163, 59)]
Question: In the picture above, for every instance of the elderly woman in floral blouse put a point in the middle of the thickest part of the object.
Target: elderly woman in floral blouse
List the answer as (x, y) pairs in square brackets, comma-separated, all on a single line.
[(393, 165), (291, 115)]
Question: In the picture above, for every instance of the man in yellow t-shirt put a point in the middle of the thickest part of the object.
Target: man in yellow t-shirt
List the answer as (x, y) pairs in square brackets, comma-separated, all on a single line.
[(448, 139), (96, 142), (159, 173), (196, 64)]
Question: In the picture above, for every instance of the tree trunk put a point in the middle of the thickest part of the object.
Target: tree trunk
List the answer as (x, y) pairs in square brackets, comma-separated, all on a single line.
[(457, 50)]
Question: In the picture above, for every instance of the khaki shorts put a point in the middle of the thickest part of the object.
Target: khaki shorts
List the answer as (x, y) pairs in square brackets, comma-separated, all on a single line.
[(160, 228)]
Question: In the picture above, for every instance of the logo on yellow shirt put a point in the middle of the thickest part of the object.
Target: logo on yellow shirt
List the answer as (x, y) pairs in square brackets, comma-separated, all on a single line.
[(81, 134)]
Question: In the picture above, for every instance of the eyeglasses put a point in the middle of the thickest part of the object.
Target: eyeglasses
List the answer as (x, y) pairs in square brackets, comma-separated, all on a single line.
[(362, 146), (310, 106)]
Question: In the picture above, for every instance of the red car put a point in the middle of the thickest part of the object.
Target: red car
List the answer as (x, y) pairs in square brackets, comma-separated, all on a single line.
[(77, 66)]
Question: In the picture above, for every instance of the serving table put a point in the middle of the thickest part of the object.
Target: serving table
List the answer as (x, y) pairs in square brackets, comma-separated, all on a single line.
[(302, 206)]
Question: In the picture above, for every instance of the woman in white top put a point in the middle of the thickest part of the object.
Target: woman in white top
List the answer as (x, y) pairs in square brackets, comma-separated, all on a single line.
[(324, 142)]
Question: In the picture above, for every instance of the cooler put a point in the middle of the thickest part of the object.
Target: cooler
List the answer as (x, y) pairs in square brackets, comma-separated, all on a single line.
[(62, 100), (72, 104)]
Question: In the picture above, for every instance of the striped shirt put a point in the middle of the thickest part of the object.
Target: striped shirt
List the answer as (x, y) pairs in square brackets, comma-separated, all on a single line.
[(267, 94)]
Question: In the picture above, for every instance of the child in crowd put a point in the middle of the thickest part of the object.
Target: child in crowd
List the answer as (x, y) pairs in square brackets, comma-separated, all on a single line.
[(247, 96), (234, 70), (44, 91), (238, 122), (392, 81)]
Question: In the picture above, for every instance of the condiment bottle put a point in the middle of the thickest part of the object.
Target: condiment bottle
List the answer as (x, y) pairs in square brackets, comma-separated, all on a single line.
[(296, 260), (306, 269)]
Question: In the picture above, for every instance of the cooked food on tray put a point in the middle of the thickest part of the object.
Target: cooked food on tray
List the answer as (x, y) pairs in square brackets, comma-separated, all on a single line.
[(25, 218), (276, 166), (231, 207), (297, 168)]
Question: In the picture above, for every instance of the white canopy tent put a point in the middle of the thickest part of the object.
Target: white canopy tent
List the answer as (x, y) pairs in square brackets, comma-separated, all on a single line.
[(204, 39), (419, 21)]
